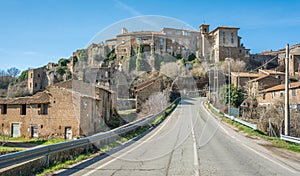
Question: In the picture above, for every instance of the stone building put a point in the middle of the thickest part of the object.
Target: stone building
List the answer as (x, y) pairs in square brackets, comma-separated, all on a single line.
[(294, 65), (262, 80), (220, 43), (37, 80), (240, 79), (143, 91), (216, 45), (68, 109), (276, 94)]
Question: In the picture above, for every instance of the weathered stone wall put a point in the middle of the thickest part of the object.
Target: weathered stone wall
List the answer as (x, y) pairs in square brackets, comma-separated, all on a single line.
[(143, 93), (37, 80)]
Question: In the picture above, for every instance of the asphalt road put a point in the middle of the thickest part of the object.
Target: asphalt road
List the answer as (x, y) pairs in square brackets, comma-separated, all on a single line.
[(192, 142)]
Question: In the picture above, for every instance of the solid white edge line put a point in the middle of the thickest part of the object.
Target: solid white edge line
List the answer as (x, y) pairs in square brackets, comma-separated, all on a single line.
[(251, 149), (114, 159), (196, 162)]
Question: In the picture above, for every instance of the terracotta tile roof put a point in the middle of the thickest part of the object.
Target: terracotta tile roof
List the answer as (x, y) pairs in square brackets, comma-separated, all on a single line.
[(293, 85), (38, 98), (245, 74)]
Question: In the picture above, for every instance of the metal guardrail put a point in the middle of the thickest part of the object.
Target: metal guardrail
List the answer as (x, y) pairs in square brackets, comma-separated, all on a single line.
[(45, 151), (214, 108), (253, 126), (290, 138)]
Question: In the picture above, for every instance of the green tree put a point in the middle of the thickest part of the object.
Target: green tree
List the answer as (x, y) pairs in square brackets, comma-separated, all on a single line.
[(23, 76), (140, 62), (191, 57), (83, 55), (236, 95), (61, 70), (178, 56), (132, 63), (63, 62), (182, 61)]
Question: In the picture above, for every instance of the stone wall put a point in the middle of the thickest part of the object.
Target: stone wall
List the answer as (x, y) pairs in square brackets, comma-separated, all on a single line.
[(144, 91)]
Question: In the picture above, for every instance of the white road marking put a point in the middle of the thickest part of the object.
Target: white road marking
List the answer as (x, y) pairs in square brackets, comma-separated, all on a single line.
[(196, 162), (114, 159), (275, 162), (251, 149)]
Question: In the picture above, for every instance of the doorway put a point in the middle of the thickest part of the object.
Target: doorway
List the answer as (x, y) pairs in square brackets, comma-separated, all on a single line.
[(68, 132)]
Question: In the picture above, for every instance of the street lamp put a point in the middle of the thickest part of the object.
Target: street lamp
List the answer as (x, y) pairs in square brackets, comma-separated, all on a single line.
[(228, 59)]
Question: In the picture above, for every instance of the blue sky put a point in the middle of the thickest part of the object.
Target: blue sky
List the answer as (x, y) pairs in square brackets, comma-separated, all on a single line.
[(35, 32)]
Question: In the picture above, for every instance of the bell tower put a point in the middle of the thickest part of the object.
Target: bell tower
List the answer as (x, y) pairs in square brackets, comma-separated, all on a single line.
[(204, 28)]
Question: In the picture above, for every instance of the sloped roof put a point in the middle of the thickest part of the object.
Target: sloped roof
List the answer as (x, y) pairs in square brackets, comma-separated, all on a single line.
[(146, 84), (245, 74), (280, 87), (260, 78), (38, 98), (273, 72)]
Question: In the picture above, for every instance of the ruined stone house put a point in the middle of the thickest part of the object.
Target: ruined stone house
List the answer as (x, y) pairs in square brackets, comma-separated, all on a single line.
[(68, 109)]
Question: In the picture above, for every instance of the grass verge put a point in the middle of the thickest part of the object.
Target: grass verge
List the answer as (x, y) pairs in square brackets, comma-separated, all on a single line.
[(276, 142)]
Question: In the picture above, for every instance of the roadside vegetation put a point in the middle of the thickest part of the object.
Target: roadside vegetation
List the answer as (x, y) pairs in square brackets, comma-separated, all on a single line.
[(112, 145), (276, 142)]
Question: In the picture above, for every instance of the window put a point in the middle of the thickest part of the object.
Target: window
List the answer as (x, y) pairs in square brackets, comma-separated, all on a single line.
[(229, 51), (264, 96), (281, 94), (39, 75), (4, 109), (30, 85), (223, 39), (23, 109), (43, 109), (223, 34), (232, 39), (240, 51), (31, 75), (35, 85), (173, 40), (293, 92), (273, 94)]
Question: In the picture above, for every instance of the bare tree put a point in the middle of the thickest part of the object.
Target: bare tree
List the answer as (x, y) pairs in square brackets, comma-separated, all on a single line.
[(295, 123), (271, 118), (252, 93), (235, 66), (13, 72), (156, 102), (170, 69)]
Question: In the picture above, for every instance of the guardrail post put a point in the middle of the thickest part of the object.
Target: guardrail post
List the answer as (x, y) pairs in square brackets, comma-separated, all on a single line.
[(47, 161), (87, 149)]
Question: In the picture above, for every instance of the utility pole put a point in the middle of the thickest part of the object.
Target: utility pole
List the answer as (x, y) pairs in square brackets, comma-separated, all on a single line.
[(228, 60), (209, 84), (287, 95)]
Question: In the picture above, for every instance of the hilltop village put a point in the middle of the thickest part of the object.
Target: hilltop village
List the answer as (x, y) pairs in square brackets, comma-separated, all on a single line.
[(119, 80)]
